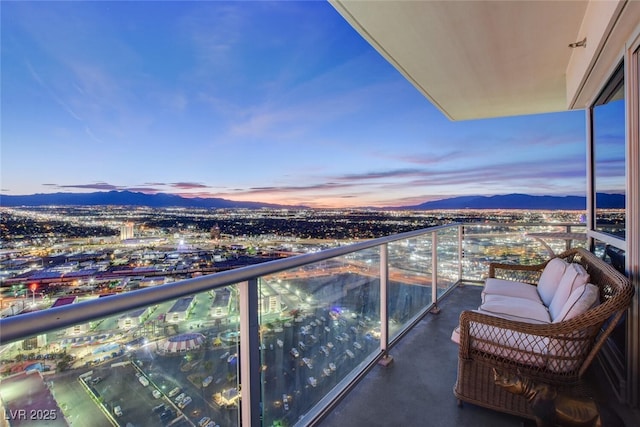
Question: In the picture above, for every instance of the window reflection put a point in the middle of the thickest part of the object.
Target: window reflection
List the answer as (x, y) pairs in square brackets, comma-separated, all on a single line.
[(609, 157)]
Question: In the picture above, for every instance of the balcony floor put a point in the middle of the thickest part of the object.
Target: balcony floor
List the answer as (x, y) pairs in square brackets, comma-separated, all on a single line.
[(417, 389)]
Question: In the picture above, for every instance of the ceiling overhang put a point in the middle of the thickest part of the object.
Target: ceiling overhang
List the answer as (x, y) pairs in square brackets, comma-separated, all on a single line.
[(478, 59)]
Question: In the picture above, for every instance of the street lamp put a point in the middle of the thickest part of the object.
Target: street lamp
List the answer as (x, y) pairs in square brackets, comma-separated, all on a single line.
[(34, 288)]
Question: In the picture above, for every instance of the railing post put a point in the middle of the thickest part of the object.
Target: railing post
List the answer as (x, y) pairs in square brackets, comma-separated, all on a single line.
[(567, 243), (384, 306), (460, 251), (249, 378), (434, 272)]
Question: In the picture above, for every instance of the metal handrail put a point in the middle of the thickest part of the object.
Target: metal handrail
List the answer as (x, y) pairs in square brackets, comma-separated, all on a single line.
[(25, 325)]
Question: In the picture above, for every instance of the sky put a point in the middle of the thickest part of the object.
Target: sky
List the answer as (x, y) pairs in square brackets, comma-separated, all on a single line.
[(278, 102)]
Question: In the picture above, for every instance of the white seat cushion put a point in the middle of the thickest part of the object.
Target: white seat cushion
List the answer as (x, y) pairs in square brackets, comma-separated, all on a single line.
[(514, 308), (580, 300), (455, 335), (574, 276), (510, 288), (550, 278)]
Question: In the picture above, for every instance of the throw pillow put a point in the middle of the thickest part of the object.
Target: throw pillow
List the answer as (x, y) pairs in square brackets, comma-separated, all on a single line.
[(550, 278), (574, 277), (580, 300)]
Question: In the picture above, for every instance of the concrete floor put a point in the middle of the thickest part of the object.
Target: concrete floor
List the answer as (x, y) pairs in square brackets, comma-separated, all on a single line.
[(417, 389)]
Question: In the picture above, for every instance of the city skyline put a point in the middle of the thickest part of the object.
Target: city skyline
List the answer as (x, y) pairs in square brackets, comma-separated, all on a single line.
[(277, 102)]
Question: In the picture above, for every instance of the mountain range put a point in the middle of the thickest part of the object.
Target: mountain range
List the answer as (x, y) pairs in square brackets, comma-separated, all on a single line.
[(522, 201), (129, 198)]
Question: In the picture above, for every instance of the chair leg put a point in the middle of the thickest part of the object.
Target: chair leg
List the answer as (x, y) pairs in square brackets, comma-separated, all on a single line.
[(459, 403)]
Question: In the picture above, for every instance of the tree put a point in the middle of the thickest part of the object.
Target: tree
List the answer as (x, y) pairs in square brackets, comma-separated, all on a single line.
[(64, 363)]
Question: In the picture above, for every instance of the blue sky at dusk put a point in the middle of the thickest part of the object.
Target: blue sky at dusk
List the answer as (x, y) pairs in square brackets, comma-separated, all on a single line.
[(279, 102)]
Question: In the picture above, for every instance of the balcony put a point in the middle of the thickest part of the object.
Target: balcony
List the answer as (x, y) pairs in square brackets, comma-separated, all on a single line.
[(296, 340)]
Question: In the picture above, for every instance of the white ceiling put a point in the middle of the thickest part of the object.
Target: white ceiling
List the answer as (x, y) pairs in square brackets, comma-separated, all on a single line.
[(476, 59)]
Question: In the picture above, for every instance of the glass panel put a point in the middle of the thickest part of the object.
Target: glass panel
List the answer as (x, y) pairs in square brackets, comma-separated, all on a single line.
[(517, 244), (410, 280), (174, 360), (318, 326), (448, 259), (609, 157)]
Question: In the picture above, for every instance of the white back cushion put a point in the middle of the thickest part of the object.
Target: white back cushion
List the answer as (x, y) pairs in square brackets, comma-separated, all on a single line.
[(581, 299), (550, 279), (514, 308), (574, 276), (493, 286)]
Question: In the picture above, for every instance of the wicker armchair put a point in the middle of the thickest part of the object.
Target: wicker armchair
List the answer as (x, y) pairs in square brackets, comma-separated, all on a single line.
[(555, 353)]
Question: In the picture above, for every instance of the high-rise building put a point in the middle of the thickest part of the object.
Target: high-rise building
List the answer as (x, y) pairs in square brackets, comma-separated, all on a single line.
[(126, 231), (215, 232)]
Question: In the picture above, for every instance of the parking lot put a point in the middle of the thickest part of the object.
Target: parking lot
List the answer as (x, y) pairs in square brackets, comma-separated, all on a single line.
[(123, 393), (167, 373)]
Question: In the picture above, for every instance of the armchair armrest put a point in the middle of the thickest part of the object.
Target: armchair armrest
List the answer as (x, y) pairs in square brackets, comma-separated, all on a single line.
[(548, 349), (497, 331)]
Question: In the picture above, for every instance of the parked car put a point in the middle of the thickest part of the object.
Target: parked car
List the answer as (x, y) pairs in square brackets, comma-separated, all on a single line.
[(156, 393), (207, 381), (174, 391), (118, 411), (185, 402)]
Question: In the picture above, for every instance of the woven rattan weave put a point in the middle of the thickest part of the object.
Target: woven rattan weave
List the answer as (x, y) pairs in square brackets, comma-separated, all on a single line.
[(557, 354)]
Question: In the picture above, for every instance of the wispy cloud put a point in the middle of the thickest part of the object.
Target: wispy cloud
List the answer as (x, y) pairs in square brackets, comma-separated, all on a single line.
[(188, 185), (146, 190), (149, 188), (65, 106), (366, 176), (94, 186), (91, 135)]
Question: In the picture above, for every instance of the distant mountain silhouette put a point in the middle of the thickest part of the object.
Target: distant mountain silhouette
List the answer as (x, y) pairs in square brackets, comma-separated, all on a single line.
[(522, 201), (129, 198), (160, 200)]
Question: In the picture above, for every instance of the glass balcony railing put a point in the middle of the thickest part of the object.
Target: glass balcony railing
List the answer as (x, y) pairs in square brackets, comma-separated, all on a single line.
[(515, 243), (270, 344)]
